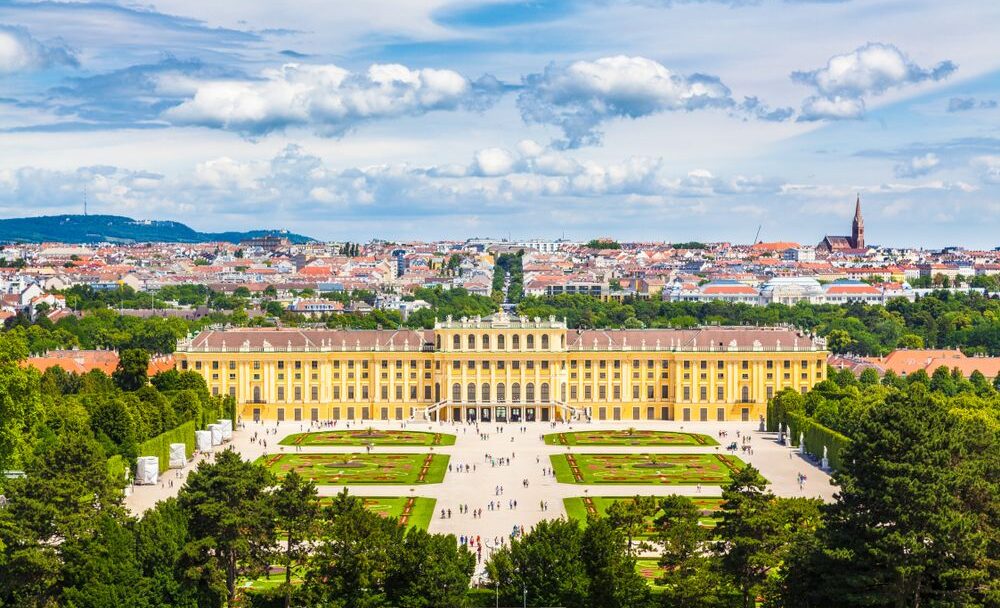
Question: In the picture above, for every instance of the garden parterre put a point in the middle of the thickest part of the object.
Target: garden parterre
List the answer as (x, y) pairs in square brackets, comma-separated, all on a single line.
[(678, 469), (359, 468)]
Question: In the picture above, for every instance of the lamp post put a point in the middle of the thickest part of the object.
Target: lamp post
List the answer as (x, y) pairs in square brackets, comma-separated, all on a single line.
[(498, 594)]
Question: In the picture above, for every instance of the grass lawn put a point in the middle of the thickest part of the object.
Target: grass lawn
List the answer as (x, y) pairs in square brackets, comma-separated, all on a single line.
[(421, 511), (650, 570), (347, 469), (580, 507), (670, 469), (629, 437), (363, 437)]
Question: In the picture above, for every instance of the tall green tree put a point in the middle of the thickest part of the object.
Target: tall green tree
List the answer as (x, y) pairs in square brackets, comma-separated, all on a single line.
[(610, 566), (431, 570), (756, 530), (353, 560), (914, 523), (544, 565), (132, 372), (20, 400), (296, 511), (691, 576), (226, 504)]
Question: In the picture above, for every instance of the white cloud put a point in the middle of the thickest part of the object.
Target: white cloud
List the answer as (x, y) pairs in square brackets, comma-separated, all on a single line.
[(327, 98), (918, 165), (578, 97), (491, 162), (19, 51), (988, 167), (869, 70)]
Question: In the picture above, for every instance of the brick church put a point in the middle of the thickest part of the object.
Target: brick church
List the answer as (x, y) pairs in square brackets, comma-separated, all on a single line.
[(846, 244)]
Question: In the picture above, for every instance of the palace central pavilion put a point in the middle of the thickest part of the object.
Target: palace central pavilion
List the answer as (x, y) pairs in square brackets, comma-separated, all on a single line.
[(503, 368)]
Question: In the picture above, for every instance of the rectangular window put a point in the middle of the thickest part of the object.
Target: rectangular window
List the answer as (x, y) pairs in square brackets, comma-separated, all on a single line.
[(703, 393), (664, 392), (314, 393), (281, 393), (720, 414), (687, 393)]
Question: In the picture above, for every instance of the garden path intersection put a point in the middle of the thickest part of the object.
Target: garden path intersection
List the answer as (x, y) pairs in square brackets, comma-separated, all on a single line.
[(529, 460)]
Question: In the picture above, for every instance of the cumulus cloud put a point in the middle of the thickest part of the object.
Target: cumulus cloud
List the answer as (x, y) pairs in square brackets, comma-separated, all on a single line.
[(327, 98), (579, 97), (918, 165), (491, 162), (869, 70), (19, 52)]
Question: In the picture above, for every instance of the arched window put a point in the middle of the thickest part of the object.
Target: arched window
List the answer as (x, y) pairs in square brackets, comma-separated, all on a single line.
[(456, 392), (746, 394), (256, 394), (531, 341), (545, 392), (501, 342), (439, 342), (472, 392), (529, 392), (562, 392), (501, 392), (456, 342), (515, 393), (545, 341), (485, 392), (562, 341), (486, 342), (515, 342), (472, 342), (437, 392)]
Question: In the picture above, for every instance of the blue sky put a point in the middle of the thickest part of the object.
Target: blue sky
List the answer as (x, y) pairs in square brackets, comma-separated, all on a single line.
[(425, 119)]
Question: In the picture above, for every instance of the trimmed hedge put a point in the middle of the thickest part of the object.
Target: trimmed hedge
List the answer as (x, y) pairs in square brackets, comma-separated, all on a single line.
[(116, 469), (159, 446), (816, 436)]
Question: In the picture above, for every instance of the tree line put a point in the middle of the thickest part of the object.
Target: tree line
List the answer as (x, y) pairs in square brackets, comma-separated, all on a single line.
[(941, 320)]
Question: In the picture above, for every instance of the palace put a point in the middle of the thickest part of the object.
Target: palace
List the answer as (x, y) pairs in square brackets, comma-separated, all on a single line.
[(502, 368)]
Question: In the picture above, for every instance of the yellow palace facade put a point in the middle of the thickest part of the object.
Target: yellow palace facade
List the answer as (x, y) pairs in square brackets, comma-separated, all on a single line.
[(505, 369)]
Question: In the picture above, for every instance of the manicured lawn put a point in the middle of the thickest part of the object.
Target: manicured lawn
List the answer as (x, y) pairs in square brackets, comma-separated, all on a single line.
[(650, 570), (580, 507), (347, 469), (677, 469), (421, 511), (362, 437), (629, 437)]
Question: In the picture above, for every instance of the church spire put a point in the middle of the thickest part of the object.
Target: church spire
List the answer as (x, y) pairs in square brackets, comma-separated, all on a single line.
[(858, 226)]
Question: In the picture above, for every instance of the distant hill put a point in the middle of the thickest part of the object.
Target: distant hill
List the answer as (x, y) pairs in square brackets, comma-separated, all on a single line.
[(118, 229)]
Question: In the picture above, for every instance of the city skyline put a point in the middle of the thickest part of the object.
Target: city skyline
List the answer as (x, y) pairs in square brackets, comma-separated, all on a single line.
[(644, 121)]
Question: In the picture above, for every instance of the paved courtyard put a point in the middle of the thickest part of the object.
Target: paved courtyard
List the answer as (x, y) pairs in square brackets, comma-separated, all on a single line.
[(529, 458)]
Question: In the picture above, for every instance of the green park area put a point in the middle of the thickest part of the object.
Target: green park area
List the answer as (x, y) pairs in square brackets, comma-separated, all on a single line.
[(581, 507), (630, 437), (368, 436), (412, 511), (670, 469), (650, 570), (347, 469)]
